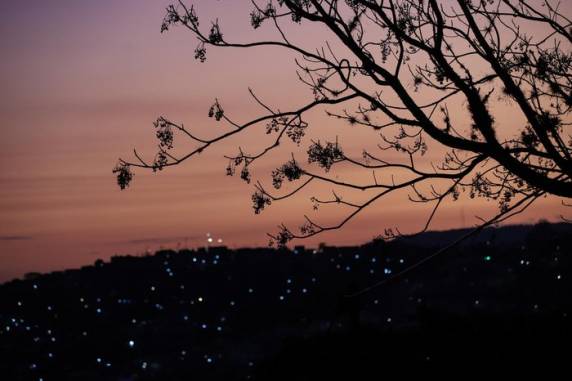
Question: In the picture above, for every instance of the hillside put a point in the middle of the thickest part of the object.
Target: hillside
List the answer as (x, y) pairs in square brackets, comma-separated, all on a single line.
[(219, 314)]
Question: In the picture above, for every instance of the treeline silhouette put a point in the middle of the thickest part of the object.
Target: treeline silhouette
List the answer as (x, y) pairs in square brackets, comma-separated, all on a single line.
[(501, 300)]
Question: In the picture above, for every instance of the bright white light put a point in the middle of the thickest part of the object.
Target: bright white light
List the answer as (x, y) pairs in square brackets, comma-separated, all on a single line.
[(131, 343)]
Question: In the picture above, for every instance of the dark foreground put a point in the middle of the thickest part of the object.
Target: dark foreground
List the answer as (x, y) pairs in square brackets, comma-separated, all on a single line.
[(499, 304)]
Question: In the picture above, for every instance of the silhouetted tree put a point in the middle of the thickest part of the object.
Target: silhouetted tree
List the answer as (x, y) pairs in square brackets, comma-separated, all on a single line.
[(423, 74)]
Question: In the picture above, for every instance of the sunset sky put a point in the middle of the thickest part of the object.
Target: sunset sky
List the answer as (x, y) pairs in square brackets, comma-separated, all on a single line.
[(83, 80)]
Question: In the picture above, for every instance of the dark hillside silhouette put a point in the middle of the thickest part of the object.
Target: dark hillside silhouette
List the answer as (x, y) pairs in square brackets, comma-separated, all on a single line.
[(267, 314)]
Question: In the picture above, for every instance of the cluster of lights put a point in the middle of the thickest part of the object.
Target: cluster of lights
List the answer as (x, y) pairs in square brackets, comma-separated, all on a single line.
[(211, 240), (287, 293)]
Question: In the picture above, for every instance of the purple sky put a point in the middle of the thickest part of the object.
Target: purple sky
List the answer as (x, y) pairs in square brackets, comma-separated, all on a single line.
[(83, 80)]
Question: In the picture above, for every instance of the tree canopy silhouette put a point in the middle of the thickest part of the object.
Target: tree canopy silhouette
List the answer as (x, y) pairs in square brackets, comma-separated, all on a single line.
[(422, 74)]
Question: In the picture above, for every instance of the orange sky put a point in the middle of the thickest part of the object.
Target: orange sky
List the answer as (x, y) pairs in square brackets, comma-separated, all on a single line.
[(82, 82)]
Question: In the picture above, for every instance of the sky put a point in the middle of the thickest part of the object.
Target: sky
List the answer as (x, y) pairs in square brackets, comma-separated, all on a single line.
[(82, 81)]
